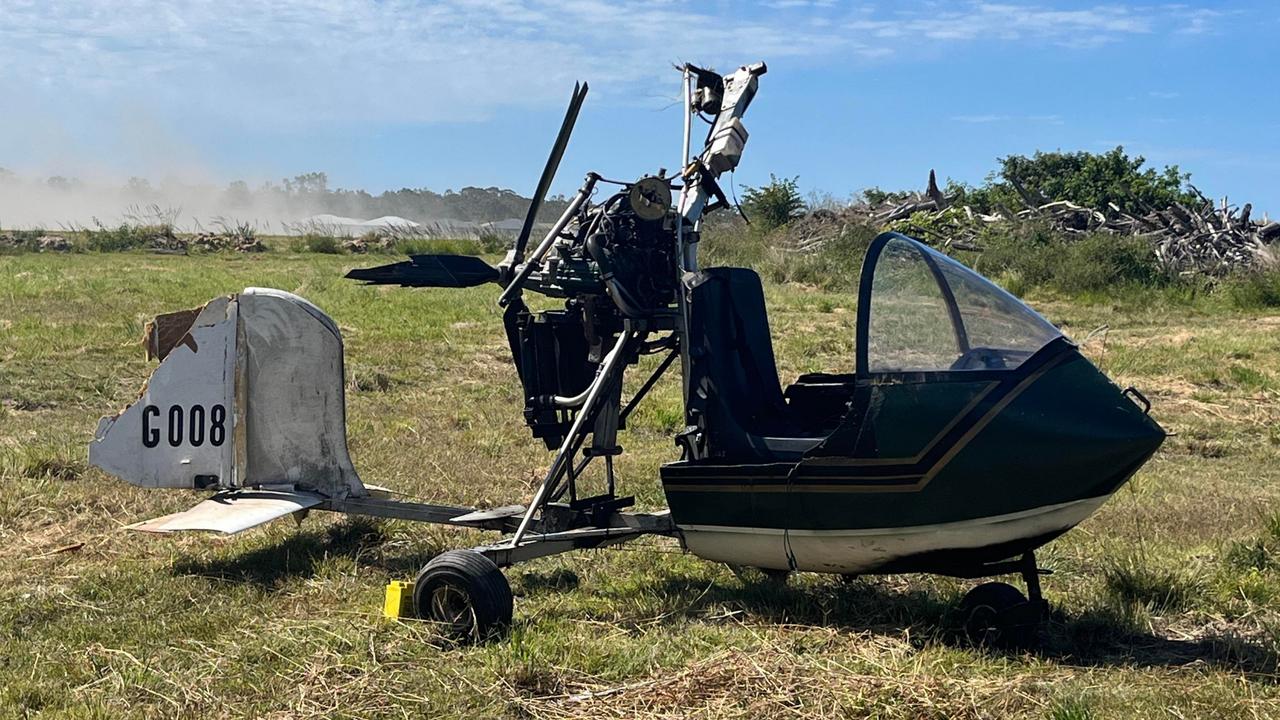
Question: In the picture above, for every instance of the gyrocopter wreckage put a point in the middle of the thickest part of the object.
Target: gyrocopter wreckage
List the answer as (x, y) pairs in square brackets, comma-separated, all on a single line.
[(970, 433)]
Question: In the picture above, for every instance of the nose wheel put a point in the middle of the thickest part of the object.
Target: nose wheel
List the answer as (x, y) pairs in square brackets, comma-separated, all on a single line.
[(465, 594), (996, 614)]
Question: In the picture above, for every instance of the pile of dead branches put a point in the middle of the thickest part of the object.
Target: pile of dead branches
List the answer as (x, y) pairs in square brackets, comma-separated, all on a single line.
[(1209, 237), (204, 242), (376, 242), (30, 241), (217, 242)]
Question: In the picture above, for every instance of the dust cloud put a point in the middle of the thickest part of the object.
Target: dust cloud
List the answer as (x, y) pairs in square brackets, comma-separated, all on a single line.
[(60, 203)]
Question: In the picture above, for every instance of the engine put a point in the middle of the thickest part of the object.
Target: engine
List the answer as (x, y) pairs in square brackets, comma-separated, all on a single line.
[(634, 244), (616, 260)]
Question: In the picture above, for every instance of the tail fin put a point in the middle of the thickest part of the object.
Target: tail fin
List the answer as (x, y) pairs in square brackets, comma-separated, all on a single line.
[(249, 393)]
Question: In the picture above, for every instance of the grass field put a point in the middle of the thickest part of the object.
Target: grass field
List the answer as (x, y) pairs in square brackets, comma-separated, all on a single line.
[(1167, 602)]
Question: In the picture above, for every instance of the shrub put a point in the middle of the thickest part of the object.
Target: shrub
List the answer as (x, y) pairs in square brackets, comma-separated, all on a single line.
[(876, 196), (239, 231), (1089, 179), (774, 205), (122, 237)]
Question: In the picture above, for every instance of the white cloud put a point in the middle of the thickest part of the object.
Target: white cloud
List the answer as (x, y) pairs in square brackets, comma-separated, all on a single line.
[(291, 62), (1008, 22), (134, 77), (300, 61)]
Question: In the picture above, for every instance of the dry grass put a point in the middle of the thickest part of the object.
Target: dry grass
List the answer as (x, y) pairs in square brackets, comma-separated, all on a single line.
[(773, 681)]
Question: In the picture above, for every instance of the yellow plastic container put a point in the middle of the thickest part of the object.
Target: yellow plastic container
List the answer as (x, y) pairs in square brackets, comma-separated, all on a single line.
[(399, 602)]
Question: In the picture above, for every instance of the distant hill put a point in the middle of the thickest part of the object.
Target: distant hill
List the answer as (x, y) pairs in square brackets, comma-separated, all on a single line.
[(60, 201), (309, 194)]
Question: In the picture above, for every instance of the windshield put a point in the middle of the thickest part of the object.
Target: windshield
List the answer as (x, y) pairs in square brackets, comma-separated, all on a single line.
[(929, 313)]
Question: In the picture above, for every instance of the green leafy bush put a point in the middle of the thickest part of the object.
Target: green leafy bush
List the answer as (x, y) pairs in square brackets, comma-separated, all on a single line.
[(1090, 179), (774, 205)]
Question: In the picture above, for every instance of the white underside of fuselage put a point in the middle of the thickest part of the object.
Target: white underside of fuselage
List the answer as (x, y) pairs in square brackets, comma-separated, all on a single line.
[(866, 550)]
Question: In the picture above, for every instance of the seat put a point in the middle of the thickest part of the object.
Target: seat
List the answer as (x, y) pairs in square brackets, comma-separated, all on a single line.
[(733, 373)]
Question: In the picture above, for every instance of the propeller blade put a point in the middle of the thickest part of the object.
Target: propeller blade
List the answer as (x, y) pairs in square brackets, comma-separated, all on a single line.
[(549, 171), (454, 271)]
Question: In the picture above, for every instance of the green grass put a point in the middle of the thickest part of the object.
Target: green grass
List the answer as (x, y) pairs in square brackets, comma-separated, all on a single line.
[(316, 243), (285, 621), (1145, 581)]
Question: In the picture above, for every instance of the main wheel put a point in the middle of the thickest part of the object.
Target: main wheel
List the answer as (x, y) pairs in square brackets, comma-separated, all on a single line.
[(998, 614), (465, 593)]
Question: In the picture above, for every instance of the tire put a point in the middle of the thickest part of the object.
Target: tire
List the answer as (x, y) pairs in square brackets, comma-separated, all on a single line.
[(989, 616), (465, 594)]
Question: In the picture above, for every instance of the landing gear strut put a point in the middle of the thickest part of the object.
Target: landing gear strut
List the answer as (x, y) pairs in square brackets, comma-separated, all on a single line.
[(997, 614)]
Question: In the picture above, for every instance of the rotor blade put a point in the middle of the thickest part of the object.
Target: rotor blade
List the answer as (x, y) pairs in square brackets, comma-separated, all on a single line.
[(549, 171), (455, 271)]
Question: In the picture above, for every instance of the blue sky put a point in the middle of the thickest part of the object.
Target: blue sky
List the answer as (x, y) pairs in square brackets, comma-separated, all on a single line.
[(469, 92)]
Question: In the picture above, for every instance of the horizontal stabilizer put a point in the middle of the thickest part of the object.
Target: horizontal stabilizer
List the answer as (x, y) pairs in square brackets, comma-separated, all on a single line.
[(232, 511), (456, 271)]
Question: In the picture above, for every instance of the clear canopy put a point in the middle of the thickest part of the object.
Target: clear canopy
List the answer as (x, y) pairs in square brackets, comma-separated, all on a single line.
[(930, 313)]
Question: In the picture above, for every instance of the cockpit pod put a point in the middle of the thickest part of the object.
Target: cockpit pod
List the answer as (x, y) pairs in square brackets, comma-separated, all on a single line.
[(971, 430)]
